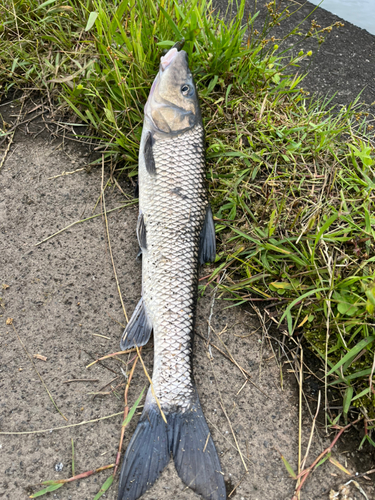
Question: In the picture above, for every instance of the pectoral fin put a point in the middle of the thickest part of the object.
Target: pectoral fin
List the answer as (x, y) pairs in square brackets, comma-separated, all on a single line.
[(141, 232), (207, 240), (149, 155)]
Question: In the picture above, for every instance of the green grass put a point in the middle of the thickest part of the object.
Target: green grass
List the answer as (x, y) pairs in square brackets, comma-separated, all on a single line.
[(291, 178)]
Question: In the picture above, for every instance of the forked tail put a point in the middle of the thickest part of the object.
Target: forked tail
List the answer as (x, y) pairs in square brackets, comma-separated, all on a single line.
[(186, 436)]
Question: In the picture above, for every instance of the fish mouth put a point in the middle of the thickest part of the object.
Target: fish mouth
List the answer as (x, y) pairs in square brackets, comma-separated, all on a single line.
[(166, 60)]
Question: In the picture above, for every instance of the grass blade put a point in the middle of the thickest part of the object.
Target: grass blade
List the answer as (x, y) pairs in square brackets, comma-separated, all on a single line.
[(44, 491), (132, 410), (107, 484), (352, 353)]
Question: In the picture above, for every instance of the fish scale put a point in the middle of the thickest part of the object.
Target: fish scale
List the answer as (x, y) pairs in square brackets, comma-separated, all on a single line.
[(170, 262)]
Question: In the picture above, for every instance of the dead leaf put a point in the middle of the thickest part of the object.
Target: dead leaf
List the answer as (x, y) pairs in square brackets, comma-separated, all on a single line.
[(9, 321), (339, 466)]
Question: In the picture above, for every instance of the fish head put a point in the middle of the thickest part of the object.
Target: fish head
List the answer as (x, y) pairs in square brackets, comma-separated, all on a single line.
[(172, 106)]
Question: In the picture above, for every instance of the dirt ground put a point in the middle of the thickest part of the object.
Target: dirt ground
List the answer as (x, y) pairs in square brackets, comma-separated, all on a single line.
[(63, 299)]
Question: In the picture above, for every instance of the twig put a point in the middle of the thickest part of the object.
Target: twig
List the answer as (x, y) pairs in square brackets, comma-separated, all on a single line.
[(18, 433), (18, 31), (10, 322), (265, 331), (121, 190), (244, 373), (109, 244), (328, 259), (226, 439), (113, 319), (73, 463)]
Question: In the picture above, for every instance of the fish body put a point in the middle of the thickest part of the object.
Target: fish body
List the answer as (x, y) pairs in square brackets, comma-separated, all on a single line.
[(176, 233)]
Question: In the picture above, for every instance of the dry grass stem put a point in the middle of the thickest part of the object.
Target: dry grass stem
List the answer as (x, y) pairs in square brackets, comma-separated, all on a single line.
[(226, 416), (126, 411), (66, 173), (300, 420), (305, 473), (109, 245), (41, 431), (102, 336), (151, 384), (83, 475), (227, 440), (311, 433), (81, 380), (107, 356), (237, 485), (83, 220), (229, 358), (6, 150)]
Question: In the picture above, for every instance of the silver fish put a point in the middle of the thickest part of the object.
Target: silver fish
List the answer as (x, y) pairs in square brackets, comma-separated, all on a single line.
[(176, 233)]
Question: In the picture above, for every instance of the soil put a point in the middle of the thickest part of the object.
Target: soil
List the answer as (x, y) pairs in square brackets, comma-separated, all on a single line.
[(63, 299)]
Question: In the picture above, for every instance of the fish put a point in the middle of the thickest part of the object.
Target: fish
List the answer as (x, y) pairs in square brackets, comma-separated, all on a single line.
[(176, 235)]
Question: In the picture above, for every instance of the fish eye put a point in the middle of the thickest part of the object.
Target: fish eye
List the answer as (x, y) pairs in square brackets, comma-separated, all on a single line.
[(185, 89)]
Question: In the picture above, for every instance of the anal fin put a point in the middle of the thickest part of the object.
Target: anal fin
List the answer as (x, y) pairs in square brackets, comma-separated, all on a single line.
[(138, 330), (207, 240)]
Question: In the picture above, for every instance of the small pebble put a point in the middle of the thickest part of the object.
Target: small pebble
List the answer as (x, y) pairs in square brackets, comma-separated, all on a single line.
[(59, 467)]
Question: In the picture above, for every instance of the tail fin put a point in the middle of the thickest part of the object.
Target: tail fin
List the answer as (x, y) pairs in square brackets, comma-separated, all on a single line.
[(145, 457), (194, 454), (188, 438)]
